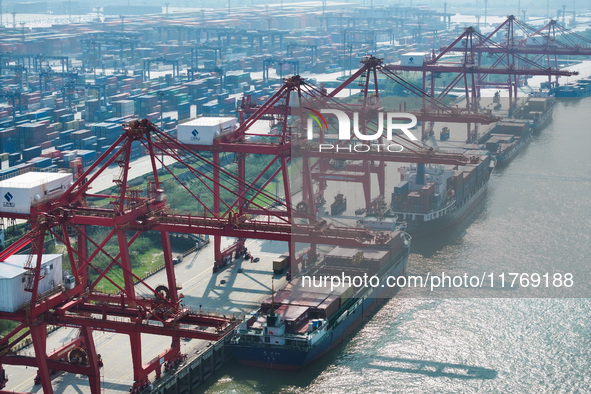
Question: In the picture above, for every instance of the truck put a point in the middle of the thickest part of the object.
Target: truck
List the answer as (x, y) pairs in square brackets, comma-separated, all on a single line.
[(280, 264)]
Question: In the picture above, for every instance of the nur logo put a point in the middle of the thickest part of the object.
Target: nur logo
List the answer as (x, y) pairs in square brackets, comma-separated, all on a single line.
[(316, 116), (392, 123)]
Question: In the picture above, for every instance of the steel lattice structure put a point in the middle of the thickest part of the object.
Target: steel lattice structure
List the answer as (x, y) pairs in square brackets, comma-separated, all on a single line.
[(139, 308), (238, 207), (507, 60)]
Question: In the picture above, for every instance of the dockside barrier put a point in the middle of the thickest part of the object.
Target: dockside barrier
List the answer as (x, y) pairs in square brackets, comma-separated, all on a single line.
[(195, 370)]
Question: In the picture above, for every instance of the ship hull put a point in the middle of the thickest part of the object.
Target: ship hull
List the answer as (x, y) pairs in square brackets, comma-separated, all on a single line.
[(450, 219), (293, 359), (544, 120), (505, 159), (572, 93)]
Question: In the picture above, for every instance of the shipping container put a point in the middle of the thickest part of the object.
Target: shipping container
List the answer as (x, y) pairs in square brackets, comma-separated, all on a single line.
[(402, 188), (19, 193), (29, 153), (13, 158), (413, 59), (203, 131), (66, 118), (280, 264), (64, 147), (42, 162), (427, 190)]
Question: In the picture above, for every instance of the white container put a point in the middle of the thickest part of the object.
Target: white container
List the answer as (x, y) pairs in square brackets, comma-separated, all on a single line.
[(381, 225), (202, 131), (413, 59), (13, 280), (19, 193)]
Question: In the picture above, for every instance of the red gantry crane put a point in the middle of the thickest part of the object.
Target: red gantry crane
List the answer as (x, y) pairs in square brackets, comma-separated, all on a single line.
[(462, 58), (539, 45), (138, 308), (240, 208), (359, 166)]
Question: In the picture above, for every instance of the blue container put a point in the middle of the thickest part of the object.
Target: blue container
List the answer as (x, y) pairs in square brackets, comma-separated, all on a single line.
[(19, 118), (38, 114), (88, 142), (43, 162), (63, 147), (66, 118), (113, 130), (222, 97), (9, 146), (8, 171), (31, 152), (87, 155), (182, 107), (65, 136), (110, 139), (402, 188)]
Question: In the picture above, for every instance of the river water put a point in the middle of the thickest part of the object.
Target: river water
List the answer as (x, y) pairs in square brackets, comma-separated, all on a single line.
[(535, 216)]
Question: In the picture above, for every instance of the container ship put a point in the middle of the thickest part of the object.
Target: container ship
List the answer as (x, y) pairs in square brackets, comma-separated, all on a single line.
[(538, 111), (304, 320), (508, 138), (581, 88), (431, 197)]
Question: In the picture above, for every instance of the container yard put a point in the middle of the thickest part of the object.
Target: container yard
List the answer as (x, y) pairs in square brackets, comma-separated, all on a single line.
[(172, 176)]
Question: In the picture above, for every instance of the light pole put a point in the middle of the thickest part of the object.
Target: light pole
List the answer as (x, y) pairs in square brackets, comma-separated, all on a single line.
[(160, 95)]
